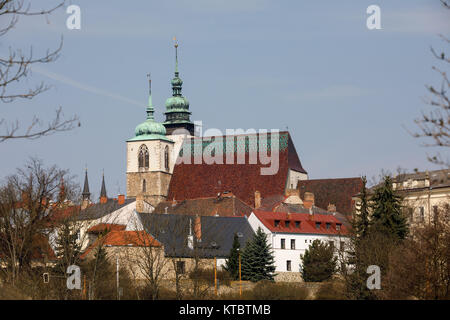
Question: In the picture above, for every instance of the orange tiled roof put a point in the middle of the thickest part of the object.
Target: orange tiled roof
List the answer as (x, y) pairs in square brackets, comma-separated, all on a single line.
[(106, 227), (121, 238)]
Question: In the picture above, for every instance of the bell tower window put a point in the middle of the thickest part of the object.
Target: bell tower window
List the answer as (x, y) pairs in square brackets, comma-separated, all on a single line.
[(143, 157), (144, 186)]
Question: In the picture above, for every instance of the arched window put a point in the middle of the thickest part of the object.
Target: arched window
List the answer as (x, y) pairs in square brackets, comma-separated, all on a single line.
[(143, 156), (144, 186), (166, 158)]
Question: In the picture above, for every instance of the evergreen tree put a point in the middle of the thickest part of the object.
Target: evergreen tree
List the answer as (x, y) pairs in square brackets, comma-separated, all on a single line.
[(361, 219), (257, 259), (232, 263), (386, 210), (101, 276), (67, 249), (318, 262)]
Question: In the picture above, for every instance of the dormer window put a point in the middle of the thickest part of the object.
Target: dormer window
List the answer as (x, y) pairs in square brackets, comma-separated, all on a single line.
[(277, 223), (338, 226), (317, 225), (328, 225), (297, 224), (287, 223)]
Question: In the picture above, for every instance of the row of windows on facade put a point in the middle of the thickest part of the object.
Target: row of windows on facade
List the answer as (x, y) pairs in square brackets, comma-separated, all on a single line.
[(331, 243), (144, 158), (421, 210), (287, 223)]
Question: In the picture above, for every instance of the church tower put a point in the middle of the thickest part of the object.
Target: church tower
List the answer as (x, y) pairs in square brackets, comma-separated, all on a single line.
[(86, 195), (149, 159), (177, 107)]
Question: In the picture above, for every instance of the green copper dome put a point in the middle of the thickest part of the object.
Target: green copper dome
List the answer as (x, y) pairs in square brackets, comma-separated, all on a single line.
[(177, 102), (150, 129)]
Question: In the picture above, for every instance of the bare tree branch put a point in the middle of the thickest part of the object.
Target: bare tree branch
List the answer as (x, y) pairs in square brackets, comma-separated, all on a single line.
[(16, 67)]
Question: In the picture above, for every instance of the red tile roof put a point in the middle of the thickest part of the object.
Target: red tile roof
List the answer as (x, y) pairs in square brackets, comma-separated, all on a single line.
[(335, 191), (101, 227), (307, 223), (123, 238), (190, 181)]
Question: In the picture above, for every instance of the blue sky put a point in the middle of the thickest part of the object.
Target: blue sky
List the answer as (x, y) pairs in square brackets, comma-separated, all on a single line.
[(344, 92)]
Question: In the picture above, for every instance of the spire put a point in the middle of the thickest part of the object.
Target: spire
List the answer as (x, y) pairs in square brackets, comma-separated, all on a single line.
[(176, 81), (86, 194), (177, 107), (150, 110), (103, 190)]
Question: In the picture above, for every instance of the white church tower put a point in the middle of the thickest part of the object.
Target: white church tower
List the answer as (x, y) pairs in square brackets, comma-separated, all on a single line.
[(149, 159)]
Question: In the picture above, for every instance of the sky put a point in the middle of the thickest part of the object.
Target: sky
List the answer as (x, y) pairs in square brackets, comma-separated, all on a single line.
[(348, 95)]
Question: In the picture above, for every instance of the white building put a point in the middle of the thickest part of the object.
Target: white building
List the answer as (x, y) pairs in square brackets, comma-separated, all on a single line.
[(290, 234)]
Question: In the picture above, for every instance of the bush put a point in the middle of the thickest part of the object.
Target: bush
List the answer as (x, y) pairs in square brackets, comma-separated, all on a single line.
[(268, 290), (331, 290), (207, 276), (319, 262)]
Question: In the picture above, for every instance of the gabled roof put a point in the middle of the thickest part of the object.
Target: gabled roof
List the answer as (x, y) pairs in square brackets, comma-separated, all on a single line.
[(217, 233), (308, 223), (223, 205), (190, 181), (276, 204), (99, 210), (332, 191), (122, 238)]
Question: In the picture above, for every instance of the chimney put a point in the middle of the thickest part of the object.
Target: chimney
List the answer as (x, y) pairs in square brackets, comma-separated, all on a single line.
[(292, 192), (331, 208), (140, 203), (308, 200), (121, 199), (257, 199), (198, 228), (311, 214), (190, 237)]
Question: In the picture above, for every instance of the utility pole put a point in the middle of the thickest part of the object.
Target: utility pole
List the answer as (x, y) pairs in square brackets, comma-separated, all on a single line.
[(240, 278), (215, 276), (117, 276)]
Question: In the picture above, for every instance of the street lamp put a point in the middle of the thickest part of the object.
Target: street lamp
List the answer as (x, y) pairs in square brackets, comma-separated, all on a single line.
[(240, 278)]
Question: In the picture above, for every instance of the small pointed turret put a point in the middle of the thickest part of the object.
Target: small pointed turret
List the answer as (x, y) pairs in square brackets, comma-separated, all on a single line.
[(103, 197), (86, 193)]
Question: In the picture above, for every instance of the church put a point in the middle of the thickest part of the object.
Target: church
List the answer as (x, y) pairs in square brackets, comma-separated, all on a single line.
[(154, 174), (215, 187)]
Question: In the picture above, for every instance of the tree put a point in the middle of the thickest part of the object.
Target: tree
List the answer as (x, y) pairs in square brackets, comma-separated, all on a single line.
[(257, 259), (420, 266), (387, 210), (434, 125), (232, 263), (318, 262), (15, 68), (361, 217), (101, 275), (28, 200)]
